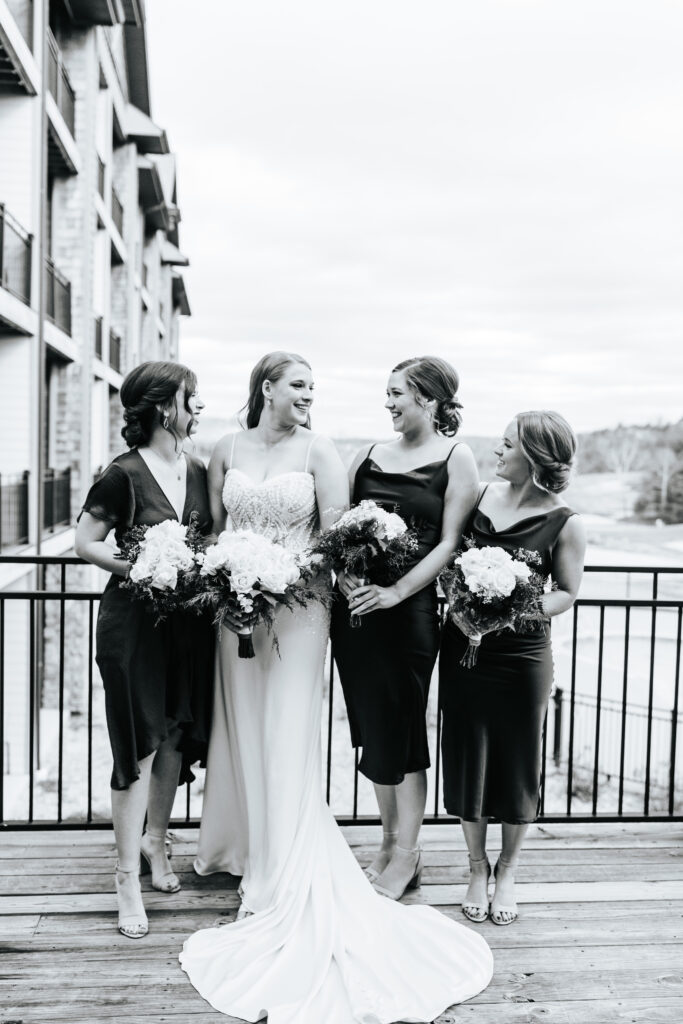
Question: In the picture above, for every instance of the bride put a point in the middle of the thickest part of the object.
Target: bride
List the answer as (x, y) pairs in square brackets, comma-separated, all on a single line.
[(313, 941)]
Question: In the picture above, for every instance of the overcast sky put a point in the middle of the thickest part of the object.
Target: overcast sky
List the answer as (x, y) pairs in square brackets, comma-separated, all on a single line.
[(497, 182)]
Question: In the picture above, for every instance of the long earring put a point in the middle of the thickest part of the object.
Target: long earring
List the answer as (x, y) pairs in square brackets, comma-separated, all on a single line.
[(165, 423)]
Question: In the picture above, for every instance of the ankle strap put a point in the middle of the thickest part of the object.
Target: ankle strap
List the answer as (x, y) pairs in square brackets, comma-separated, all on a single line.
[(477, 860), (402, 849)]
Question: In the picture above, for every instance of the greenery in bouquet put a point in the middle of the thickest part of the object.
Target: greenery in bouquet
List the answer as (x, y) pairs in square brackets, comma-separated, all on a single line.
[(490, 589), (164, 564), (244, 577), (369, 542)]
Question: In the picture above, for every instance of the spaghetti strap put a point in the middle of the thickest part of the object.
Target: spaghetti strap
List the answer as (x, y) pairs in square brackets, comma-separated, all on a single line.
[(308, 453), (482, 492), (232, 451), (457, 443), (370, 450)]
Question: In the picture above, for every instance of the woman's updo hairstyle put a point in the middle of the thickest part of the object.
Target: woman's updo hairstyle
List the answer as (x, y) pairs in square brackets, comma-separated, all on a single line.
[(146, 389), (433, 379), (549, 444), (270, 367)]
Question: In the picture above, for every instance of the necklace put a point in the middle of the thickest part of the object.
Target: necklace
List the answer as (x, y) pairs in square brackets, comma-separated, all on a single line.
[(169, 467)]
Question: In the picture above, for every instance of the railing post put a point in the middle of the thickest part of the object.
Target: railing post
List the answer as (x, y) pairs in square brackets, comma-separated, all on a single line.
[(0, 515), (557, 725)]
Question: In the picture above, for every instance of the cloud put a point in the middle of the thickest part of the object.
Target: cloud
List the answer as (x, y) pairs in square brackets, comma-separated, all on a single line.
[(497, 183)]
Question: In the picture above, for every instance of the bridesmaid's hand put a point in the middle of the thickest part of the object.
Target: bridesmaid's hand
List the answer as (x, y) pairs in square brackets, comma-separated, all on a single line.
[(235, 622), (348, 583), (371, 598)]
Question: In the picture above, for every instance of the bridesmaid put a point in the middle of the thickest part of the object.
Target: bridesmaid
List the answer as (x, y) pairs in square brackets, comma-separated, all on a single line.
[(157, 679), (386, 665), (493, 713)]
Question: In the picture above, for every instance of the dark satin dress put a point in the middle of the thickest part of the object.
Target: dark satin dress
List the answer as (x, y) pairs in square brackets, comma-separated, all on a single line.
[(493, 713), (153, 675), (386, 664)]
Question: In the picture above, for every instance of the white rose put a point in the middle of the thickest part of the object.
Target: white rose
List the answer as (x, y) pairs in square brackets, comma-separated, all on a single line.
[(521, 570), (139, 571), (504, 581), (165, 577)]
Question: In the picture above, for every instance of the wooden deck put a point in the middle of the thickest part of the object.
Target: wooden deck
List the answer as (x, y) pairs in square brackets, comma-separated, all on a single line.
[(599, 939)]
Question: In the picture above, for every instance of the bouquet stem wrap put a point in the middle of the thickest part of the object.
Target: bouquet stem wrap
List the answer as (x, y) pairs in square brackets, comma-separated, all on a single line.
[(245, 645)]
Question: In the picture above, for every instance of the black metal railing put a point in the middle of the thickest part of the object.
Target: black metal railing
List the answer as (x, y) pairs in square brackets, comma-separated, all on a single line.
[(58, 297), (117, 211), (15, 257), (100, 175), (605, 758), (59, 84), (115, 350), (22, 12), (14, 509), (56, 498), (98, 337)]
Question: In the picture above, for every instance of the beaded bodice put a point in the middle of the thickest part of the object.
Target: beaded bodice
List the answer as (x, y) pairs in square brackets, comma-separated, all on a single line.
[(282, 508)]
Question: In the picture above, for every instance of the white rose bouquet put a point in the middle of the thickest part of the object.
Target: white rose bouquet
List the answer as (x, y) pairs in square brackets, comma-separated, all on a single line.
[(369, 542), (245, 576), (489, 589), (164, 564)]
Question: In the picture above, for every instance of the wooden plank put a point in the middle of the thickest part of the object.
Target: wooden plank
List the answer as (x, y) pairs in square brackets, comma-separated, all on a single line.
[(101, 881), (655, 1010), (160, 987), (73, 863), (18, 926), (30, 968), (637, 923), (431, 895)]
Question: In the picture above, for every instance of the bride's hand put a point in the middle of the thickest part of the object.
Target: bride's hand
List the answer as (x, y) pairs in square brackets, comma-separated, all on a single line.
[(348, 583), (371, 598), (235, 622)]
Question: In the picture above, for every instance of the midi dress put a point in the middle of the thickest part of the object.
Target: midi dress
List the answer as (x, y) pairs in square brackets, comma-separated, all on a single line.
[(494, 713), (155, 676)]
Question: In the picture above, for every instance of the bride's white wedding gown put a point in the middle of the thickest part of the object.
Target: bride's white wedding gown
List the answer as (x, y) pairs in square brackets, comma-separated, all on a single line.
[(321, 947)]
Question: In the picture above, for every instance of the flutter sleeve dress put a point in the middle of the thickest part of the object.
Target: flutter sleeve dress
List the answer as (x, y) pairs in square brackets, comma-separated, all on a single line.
[(155, 676)]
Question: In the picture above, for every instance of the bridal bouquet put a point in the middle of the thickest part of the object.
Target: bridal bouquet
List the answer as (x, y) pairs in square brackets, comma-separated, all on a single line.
[(490, 589), (369, 542), (164, 564), (246, 576)]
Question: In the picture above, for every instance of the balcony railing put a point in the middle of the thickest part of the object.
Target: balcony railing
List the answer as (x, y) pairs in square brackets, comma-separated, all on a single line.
[(636, 775), (98, 337), (115, 350), (58, 297), (13, 509), (100, 175), (117, 211), (56, 498), (15, 257), (58, 83)]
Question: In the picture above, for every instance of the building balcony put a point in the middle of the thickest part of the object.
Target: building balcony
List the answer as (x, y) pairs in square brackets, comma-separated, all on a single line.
[(14, 505), (18, 69), (58, 297), (15, 257), (59, 84), (115, 351), (56, 498)]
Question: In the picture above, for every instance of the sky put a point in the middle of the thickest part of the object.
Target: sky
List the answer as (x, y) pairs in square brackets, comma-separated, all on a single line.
[(499, 183)]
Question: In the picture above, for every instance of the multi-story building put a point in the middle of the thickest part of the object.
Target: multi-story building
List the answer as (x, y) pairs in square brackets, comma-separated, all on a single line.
[(90, 279)]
